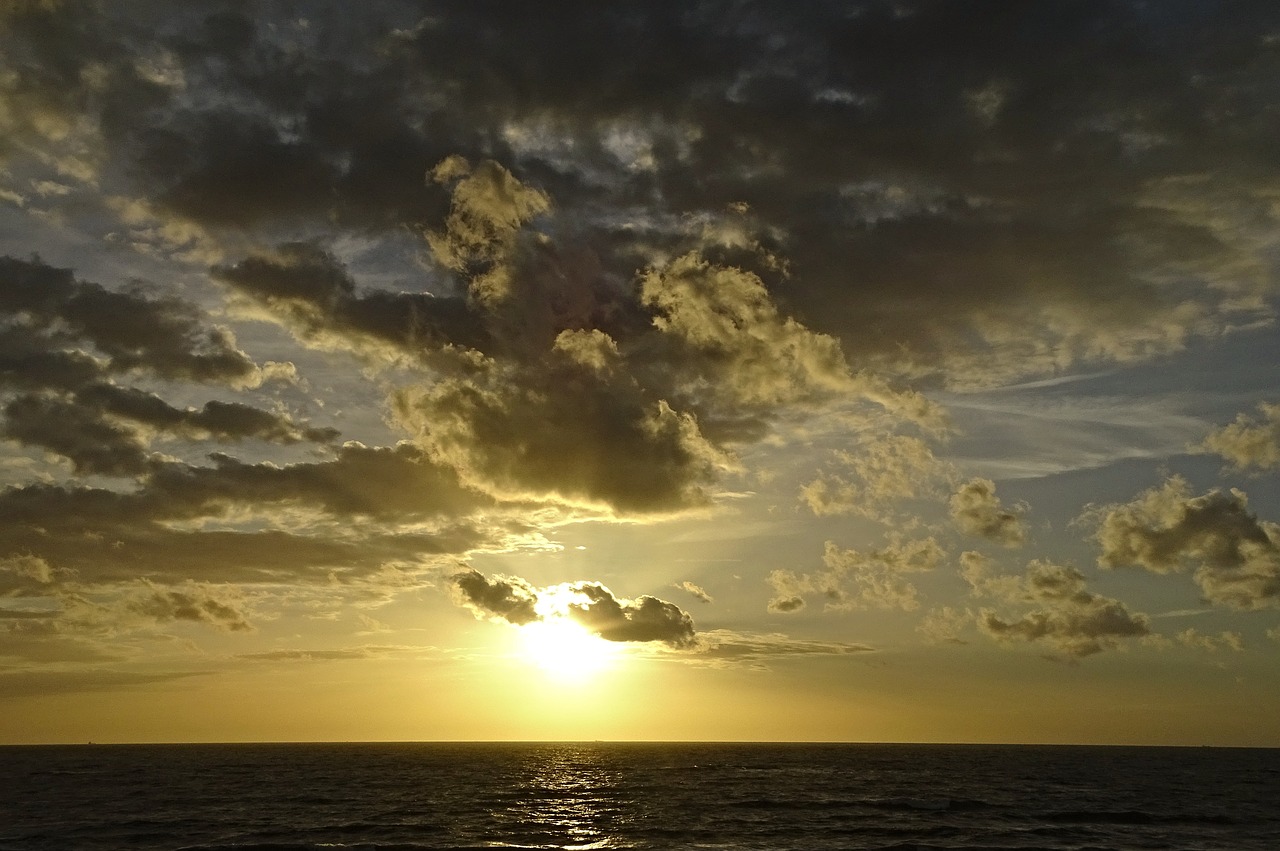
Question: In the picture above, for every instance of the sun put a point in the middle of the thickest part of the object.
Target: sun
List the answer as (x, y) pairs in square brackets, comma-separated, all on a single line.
[(566, 650)]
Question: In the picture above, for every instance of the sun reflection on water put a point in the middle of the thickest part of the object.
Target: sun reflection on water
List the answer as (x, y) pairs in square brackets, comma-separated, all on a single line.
[(566, 796)]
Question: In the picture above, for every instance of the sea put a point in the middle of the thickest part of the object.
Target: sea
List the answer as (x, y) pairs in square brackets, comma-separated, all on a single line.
[(636, 795)]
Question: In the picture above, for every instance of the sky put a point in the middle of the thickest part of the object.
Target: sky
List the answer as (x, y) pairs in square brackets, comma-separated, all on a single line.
[(460, 370)]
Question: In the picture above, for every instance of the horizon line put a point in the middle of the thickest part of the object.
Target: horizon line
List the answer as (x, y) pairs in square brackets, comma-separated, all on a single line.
[(736, 742)]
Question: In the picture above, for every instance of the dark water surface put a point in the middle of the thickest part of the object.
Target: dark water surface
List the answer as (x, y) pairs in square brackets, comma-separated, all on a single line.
[(647, 796)]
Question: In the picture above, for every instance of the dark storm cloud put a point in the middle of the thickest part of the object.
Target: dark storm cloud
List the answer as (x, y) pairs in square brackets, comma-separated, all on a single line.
[(101, 84), (92, 444), (129, 329), (70, 337), (915, 176), (97, 429), (308, 290), (568, 433), (66, 340), (943, 179), (32, 360), (105, 538), (637, 415), (925, 164), (231, 170), (1234, 555), (392, 483), (554, 414), (215, 420), (516, 601), (109, 536)]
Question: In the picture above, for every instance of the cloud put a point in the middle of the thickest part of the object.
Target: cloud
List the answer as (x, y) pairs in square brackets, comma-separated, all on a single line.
[(129, 329), (593, 349), (66, 342), (54, 616), (27, 361), (1248, 443), (489, 207), (885, 469), (1070, 619), (976, 510), (724, 646), (560, 383), (25, 569), (216, 420), (784, 602), (643, 619), (980, 572), (1236, 556), (368, 651), (566, 433), (92, 444), (857, 580), (308, 290), (507, 598), (515, 601), (1226, 640), (199, 604), (390, 484), (214, 523), (599, 260), (742, 87), (100, 427), (400, 483), (696, 590), (238, 172), (946, 624), (925, 261), (735, 340)]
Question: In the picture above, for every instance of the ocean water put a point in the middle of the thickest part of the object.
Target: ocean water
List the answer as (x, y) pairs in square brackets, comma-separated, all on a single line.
[(642, 796)]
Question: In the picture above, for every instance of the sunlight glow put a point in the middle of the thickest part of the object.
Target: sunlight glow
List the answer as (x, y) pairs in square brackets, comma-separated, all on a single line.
[(566, 650)]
